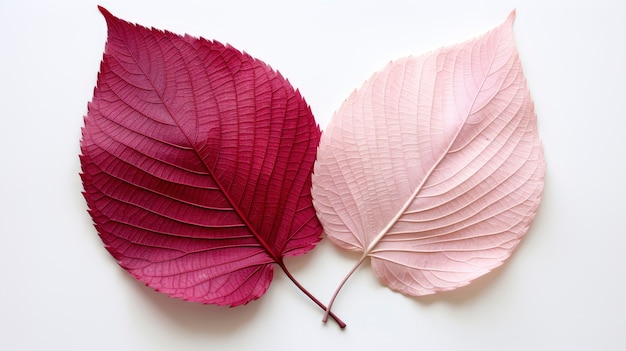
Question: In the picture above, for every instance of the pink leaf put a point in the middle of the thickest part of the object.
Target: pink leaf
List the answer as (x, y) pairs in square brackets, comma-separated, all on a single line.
[(196, 163), (434, 168)]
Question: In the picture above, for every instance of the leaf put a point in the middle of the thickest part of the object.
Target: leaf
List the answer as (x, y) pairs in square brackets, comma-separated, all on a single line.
[(196, 162), (434, 168)]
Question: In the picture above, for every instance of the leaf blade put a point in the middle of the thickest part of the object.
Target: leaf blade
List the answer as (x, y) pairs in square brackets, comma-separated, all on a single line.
[(196, 163), (434, 168)]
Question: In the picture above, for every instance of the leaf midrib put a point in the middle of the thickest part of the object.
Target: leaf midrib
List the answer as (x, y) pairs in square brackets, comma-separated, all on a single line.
[(277, 258), (405, 206)]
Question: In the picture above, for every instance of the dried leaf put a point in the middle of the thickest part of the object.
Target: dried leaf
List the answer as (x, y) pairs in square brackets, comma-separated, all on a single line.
[(434, 168), (196, 162)]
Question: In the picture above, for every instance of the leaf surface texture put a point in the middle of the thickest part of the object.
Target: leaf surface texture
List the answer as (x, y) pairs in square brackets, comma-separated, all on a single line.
[(434, 168), (196, 162)]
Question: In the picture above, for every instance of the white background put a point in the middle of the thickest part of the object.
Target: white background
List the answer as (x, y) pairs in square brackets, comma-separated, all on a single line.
[(563, 289)]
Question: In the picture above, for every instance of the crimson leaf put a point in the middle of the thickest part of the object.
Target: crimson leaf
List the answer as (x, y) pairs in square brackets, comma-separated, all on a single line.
[(196, 165)]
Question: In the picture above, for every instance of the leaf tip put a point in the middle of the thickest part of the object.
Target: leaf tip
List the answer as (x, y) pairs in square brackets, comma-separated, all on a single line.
[(104, 12), (511, 18), (108, 16)]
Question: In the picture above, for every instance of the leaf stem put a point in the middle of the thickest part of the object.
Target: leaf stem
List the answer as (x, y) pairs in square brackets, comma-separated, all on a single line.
[(343, 282), (313, 298)]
